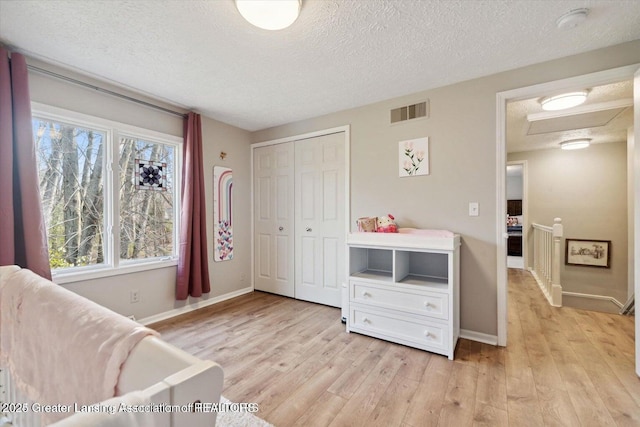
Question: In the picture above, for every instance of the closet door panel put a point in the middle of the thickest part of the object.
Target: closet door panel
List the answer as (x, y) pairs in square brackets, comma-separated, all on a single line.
[(264, 261), (299, 203), (273, 219), (309, 258), (319, 218), (331, 263)]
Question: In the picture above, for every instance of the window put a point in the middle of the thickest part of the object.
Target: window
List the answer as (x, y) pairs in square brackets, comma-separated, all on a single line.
[(146, 201), (110, 193)]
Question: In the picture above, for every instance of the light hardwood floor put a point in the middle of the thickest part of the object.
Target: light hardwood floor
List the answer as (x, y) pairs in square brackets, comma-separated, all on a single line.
[(562, 366)]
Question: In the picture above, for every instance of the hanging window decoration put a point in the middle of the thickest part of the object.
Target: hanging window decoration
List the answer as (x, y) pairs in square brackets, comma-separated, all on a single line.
[(222, 218), (150, 175)]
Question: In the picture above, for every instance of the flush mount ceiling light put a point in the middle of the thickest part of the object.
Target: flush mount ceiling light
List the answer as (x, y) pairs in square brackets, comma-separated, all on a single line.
[(572, 19), (564, 100), (575, 144), (269, 14)]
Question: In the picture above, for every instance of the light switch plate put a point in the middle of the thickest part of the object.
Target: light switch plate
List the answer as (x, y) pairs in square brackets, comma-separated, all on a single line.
[(474, 209)]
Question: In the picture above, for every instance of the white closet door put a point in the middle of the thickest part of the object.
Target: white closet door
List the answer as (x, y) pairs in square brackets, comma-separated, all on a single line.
[(273, 218), (319, 218)]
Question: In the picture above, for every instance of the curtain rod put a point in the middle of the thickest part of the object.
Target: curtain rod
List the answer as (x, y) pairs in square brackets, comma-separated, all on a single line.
[(107, 91)]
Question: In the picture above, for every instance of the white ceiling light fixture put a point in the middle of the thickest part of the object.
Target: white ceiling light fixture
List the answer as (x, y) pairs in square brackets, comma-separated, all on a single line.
[(572, 19), (575, 144), (269, 14), (564, 100)]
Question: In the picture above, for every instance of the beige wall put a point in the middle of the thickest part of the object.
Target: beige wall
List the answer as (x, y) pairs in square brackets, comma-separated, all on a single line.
[(157, 286), (462, 136), (229, 276), (588, 190)]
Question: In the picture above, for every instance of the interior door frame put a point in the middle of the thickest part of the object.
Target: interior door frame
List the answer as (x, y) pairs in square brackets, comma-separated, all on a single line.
[(539, 90), (636, 202), (525, 209), (347, 182)]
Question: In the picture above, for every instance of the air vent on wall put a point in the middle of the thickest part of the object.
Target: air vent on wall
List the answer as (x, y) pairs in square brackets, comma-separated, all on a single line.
[(409, 112)]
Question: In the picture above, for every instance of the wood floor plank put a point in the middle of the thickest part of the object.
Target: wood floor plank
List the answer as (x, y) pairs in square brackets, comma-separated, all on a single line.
[(356, 411), (492, 378), (522, 396), (272, 396), (557, 408), (607, 357), (426, 405), (562, 366), (351, 379), (414, 362), (322, 411), (245, 388), (288, 412), (394, 402), (459, 400), (489, 416)]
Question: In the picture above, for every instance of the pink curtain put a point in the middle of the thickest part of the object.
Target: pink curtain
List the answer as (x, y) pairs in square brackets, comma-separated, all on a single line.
[(23, 234), (193, 262)]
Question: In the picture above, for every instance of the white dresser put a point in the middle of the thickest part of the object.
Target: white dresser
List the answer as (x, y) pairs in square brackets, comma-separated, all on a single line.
[(405, 288)]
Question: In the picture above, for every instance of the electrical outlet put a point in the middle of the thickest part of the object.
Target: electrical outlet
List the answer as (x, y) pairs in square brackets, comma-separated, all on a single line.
[(134, 296)]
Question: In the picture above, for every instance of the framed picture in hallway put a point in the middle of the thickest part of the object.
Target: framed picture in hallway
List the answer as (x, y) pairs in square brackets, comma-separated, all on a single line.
[(589, 253)]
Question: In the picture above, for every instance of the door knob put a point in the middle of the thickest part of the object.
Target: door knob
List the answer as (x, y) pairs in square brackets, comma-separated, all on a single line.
[(308, 229), (280, 228)]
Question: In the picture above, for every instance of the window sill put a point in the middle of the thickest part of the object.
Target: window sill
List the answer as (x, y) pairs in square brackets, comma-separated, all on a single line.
[(107, 271)]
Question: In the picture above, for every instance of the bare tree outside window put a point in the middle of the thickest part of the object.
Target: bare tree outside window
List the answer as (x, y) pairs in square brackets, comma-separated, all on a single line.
[(70, 168), (146, 216), (73, 184)]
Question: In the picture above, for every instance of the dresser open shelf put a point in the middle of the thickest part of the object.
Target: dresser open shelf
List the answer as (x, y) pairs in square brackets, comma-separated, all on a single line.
[(405, 288)]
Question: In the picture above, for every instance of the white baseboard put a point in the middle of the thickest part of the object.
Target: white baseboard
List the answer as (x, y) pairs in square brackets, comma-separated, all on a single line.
[(592, 296), (191, 307), (479, 337)]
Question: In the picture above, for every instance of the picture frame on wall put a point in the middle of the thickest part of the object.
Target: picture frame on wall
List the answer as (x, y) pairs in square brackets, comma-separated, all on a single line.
[(413, 157), (222, 214), (588, 253)]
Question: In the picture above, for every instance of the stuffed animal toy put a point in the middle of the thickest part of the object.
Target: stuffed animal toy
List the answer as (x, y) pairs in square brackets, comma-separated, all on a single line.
[(366, 224), (386, 224)]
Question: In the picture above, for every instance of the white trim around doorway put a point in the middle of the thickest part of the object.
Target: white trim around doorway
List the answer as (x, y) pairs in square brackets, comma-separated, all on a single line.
[(587, 80)]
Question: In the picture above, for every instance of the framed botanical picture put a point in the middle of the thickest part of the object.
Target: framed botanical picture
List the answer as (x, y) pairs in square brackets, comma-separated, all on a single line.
[(589, 253), (413, 157)]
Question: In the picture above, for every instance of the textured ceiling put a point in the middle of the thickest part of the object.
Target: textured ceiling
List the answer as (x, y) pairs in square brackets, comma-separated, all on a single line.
[(339, 54), (614, 131)]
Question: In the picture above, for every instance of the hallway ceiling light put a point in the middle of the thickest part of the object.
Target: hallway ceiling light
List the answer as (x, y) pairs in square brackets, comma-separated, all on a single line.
[(269, 14), (564, 100), (575, 144)]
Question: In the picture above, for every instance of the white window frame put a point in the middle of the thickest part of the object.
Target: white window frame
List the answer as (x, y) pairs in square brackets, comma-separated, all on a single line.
[(113, 130)]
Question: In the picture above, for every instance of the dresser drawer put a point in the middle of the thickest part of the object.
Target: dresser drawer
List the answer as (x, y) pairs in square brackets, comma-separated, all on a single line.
[(421, 302), (396, 327)]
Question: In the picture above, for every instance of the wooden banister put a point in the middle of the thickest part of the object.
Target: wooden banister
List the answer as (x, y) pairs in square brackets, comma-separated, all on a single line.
[(547, 256)]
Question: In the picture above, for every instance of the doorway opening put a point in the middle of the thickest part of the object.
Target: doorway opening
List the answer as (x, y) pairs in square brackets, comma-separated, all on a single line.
[(535, 92), (516, 214)]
